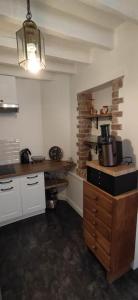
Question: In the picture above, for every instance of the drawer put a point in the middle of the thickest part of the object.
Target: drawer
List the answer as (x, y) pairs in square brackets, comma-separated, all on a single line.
[(104, 217), (99, 238), (31, 179), (90, 228), (89, 204), (8, 184), (88, 191), (97, 250), (97, 197), (104, 244), (88, 216), (102, 256), (89, 240), (103, 230), (104, 203), (101, 220)]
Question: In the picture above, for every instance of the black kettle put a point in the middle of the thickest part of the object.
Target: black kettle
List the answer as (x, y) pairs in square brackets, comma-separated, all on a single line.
[(24, 156)]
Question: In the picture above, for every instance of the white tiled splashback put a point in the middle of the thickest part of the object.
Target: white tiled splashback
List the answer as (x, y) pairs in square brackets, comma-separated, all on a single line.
[(9, 151)]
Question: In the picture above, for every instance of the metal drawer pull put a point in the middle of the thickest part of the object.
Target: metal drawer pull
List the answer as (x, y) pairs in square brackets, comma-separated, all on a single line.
[(4, 190), (33, 183), (31, 177), (94, 210), (5, 182)]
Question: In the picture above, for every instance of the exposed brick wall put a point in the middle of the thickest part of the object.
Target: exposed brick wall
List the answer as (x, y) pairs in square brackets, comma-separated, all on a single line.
[(84, 131), (84, 126), (116, 100)]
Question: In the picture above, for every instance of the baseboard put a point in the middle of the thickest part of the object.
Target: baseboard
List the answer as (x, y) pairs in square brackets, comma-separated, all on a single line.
[(75, 207)]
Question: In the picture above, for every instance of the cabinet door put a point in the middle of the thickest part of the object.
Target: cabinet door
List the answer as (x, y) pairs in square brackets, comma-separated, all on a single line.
[(33, 193), (8, 89), (10, 200)]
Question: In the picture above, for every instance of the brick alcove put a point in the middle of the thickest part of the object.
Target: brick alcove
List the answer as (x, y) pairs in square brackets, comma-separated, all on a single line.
[(85, 109)]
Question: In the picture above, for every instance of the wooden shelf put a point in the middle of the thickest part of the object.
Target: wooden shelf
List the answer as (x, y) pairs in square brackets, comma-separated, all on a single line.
[(96, 117), (51, 183), (93, 116)]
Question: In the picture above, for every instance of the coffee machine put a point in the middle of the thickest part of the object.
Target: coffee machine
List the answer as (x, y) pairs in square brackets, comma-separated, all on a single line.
[(109, 148)]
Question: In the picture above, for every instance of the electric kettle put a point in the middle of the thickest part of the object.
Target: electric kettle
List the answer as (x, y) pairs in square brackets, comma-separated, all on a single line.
[(24, 156)]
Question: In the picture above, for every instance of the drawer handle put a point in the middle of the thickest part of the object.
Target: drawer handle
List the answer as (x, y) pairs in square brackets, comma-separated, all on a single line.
[(94, 234), (5, 182), (94, 210), (93, 247), (31, 177), (34, 183), (4, 190)]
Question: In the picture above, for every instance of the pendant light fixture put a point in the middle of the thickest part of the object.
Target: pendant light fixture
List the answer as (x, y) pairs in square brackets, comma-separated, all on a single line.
[(30, 45)]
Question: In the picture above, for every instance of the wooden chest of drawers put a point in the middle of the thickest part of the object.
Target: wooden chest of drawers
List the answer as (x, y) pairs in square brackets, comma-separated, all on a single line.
[(110, 228)]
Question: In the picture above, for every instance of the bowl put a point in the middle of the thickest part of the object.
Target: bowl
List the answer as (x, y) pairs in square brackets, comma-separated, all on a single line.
[(38, 158)]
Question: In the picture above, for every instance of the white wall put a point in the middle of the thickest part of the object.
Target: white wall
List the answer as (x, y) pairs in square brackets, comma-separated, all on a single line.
[(27, 124), (56, 114), (123, 60), (102, 97)]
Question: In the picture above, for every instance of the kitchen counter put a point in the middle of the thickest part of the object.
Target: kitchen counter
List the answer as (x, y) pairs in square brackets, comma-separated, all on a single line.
[(113, 171), (45, 166)]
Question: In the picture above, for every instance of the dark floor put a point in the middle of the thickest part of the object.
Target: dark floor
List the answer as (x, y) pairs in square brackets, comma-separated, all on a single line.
[(45, 258)]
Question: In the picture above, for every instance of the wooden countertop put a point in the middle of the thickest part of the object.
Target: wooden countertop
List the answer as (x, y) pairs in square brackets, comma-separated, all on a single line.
[(113, 171), (45, 166)]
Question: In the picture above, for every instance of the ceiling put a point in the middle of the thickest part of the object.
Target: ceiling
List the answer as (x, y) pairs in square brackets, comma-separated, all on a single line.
[(73, 29)]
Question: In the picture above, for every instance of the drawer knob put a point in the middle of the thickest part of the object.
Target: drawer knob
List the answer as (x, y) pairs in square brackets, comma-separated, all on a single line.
[(93, 234), (93, 247), (94, 223), (94, 210)]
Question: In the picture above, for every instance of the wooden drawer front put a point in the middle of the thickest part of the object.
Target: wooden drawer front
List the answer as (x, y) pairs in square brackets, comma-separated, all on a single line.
[(89, 204), (103, 230), (104, 203), (88, 216), (97, 250), (88, 191), (106, 245), (92, 230), (92, 197), (100, 220), (104, 217), (103, 257), (90, 241)]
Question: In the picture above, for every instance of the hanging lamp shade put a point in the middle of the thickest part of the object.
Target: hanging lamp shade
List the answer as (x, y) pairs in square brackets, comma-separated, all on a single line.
[(30, 45)]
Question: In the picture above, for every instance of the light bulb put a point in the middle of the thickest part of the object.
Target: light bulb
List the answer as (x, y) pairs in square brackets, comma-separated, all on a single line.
[(33, 64)]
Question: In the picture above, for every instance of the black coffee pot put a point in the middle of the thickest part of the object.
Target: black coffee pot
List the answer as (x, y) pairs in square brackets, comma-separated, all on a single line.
[(24, 156)]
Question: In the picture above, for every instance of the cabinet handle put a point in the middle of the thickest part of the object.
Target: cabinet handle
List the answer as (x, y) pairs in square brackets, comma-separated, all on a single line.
[(93, 247), (5, 182), (30, 177), (33, 183), (4, 190), (94, 210)]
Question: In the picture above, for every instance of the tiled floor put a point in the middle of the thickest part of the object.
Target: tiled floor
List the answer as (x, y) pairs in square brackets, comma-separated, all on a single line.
[(44, 258)]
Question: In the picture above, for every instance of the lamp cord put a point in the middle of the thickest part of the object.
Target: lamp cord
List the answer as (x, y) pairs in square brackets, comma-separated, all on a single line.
[(29, 14)]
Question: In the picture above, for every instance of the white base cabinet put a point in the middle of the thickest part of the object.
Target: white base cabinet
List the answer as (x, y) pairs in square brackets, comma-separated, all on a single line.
[(32, 193), (10, 200), (21, 196)]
